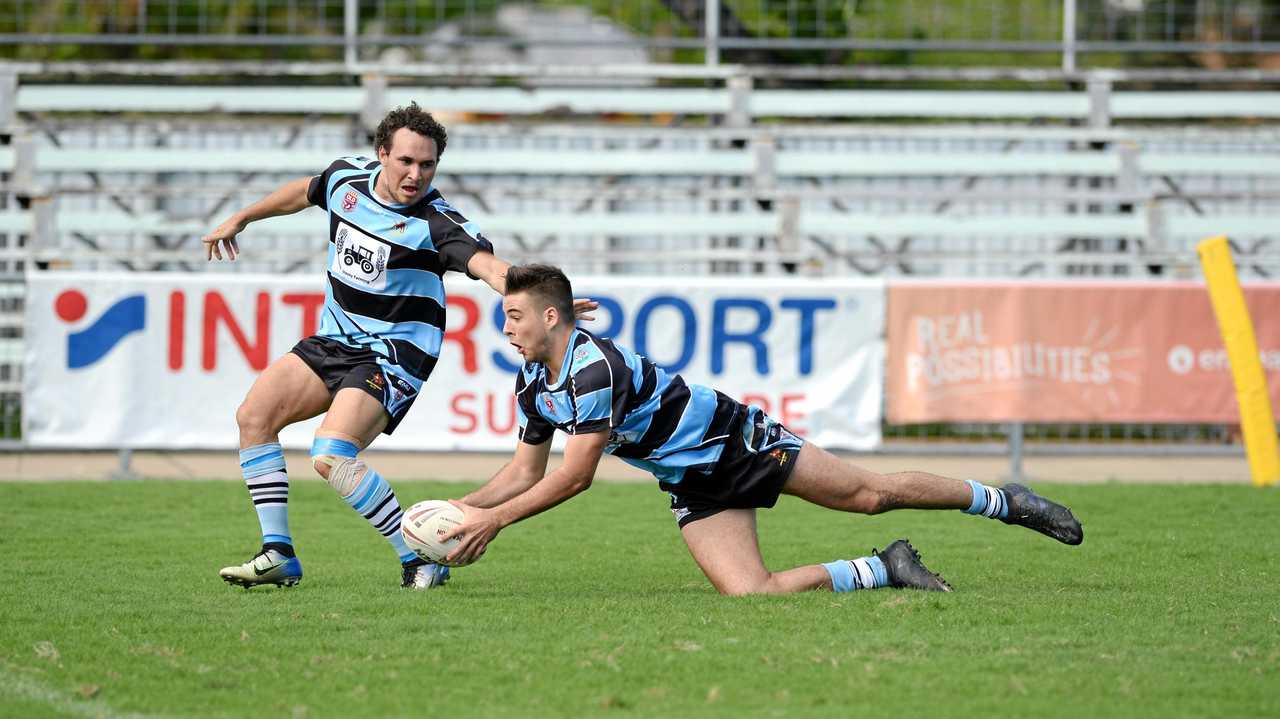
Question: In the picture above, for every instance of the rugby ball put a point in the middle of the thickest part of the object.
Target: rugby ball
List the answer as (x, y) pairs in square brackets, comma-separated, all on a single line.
[(424, 523)]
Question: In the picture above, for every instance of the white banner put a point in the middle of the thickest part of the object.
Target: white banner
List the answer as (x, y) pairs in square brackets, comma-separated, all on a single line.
[(164, 360)]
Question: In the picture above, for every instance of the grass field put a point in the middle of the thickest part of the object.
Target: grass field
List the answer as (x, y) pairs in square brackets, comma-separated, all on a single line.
[(112, 607)]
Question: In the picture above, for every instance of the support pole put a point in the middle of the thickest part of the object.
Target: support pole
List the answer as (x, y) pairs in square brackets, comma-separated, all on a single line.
[(1015, 451), (711, 26), (1069, 36), (350, 28)]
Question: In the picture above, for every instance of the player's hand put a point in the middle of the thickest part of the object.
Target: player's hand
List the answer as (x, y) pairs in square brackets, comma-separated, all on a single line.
[(478, 528), (583, 307), (224, 235)]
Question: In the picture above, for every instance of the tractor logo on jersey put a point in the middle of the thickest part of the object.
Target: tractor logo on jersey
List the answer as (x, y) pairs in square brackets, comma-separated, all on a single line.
[(362, 256), (349, 201), (359, 258)]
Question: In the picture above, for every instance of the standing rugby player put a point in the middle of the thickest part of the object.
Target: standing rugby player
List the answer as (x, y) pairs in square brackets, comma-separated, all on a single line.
[(392, 237)]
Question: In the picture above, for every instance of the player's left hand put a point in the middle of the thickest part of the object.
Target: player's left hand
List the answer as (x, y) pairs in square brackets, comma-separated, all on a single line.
[(583, 307), (478, 528)]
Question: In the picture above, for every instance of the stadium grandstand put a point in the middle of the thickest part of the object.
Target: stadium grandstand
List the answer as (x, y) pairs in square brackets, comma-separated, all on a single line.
[(1008, 266), (923, 140)]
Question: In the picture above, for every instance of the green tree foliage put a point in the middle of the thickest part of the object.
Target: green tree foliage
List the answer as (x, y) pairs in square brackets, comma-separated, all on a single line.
[(253, 29)]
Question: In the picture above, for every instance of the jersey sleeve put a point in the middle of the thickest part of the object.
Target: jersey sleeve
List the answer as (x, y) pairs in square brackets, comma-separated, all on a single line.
[(455, 237), (601, 390), (533, 428), (320, 187)]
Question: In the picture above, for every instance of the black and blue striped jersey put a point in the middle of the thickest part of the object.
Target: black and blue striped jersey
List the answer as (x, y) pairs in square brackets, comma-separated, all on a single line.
[(386, 265), (655, 421)]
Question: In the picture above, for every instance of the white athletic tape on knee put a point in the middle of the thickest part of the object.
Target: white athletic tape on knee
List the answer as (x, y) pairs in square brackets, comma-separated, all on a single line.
[(345, 474)]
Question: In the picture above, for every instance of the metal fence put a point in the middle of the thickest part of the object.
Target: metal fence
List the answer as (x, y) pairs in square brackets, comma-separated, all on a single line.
[(1069, 34)]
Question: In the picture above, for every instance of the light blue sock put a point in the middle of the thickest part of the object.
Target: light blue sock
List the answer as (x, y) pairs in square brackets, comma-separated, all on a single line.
[(372, 498), (848, 575), (264, 473), (987, 501), (376, 502)]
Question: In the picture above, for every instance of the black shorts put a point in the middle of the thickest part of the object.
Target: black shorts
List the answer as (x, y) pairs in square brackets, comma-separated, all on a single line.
[(340, 367), (757, 459)]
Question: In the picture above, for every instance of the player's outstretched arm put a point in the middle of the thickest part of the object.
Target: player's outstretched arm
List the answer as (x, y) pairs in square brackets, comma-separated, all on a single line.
[(581, 457), (493, 270), (487, 267), (523, 471), (289, 198)]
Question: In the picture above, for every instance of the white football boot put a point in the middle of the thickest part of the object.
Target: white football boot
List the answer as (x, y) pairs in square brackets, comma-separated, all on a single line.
[(420, 574), (267, 567)]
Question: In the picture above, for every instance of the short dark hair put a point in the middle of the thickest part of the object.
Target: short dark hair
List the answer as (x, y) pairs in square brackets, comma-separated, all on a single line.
[(414, 118), (545, 282)]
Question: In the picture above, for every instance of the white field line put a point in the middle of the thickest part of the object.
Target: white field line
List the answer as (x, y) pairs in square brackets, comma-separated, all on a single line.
[(15, 685)]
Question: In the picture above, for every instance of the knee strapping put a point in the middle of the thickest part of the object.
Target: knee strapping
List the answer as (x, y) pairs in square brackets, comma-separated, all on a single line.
[(346, 475), (335, 453)]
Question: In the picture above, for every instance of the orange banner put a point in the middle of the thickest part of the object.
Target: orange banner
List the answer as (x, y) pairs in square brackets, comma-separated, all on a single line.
[(1051, 352)]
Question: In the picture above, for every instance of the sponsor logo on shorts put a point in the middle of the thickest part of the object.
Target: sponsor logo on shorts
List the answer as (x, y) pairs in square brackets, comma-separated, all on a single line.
[(401, 391), (349, 201), (680, 512), (377, 383), (779, 455)]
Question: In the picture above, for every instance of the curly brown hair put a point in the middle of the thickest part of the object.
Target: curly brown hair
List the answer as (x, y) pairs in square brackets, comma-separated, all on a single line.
[(414, 118)]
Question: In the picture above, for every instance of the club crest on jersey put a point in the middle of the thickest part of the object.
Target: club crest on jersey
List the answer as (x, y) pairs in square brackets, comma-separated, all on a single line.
[(360, 258), (349, 201), (581, 353), (551, 407)]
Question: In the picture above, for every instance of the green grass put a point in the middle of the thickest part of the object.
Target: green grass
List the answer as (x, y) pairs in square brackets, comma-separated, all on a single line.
[(111, 605)]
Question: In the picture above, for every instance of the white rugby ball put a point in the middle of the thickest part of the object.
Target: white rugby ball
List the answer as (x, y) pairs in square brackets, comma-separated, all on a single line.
[(424, 523)]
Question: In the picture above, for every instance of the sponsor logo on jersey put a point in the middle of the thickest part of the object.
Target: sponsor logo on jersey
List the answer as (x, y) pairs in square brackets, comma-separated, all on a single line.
[(360, 258), (399, 227)]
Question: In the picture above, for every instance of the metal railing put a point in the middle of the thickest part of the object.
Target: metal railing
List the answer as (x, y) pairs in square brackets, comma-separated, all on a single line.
[(1070, 34)]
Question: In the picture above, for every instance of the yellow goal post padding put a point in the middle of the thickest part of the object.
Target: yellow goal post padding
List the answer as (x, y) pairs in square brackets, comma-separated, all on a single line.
[(1256, 419)]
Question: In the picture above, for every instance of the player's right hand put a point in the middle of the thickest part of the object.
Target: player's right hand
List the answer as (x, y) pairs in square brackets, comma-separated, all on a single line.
[(224, 235)]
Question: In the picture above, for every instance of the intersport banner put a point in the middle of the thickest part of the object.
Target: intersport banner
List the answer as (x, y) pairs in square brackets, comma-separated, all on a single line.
[(164, 360), (1082, 351)]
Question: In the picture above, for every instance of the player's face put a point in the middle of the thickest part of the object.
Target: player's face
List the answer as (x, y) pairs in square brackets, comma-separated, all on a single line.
[(527, 329), (408, 167)]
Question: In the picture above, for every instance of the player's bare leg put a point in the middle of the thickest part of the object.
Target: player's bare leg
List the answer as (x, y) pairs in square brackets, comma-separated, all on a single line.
[(726, 548), (354, 420), (286, 392), (824, 479)]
